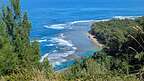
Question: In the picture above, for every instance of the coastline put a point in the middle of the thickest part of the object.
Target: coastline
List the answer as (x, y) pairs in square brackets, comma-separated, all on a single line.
[(83, 33), (94, 40)]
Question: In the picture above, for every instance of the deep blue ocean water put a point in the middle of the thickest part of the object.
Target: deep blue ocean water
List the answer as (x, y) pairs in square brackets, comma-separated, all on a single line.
[(60, 25)]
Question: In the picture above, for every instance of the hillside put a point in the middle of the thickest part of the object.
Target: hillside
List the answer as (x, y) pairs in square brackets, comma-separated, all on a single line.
[(121, 59)]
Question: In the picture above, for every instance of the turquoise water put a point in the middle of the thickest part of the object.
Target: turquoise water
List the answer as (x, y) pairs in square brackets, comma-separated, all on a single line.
[(61, 25), (66, 64)]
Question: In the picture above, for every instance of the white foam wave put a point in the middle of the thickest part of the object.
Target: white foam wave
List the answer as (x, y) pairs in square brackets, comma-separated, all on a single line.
[(86, 21), (58, 62), (62, 42), (62, 26), (126, 17), (54, 51), (41, 40), (62, 35), (50, 45), (75, 48), (117, 17), (43, 57), (56, 26), (101, 20), (57, 58), (82, 21)]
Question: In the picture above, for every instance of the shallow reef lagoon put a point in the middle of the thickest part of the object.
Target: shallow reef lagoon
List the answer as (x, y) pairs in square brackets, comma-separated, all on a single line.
[(61, 25)]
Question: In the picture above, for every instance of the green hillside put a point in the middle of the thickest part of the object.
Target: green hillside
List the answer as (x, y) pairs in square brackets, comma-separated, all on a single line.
[(121, 59)]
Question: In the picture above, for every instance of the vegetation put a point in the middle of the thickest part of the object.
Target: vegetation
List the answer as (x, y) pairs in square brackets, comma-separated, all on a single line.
[(17, 54), (122, 58), (124, 41)]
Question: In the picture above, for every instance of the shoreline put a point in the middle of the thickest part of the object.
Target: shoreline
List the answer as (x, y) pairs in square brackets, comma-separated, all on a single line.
[(94, 40)]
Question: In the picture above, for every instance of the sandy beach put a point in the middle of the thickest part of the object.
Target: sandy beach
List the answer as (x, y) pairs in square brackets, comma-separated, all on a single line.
[(94, 40)]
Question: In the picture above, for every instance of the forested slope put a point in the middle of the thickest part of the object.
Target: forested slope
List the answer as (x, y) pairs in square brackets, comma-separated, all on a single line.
[(121, 59)]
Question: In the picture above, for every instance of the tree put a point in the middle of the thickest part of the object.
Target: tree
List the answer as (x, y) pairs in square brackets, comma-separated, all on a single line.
[(16, 50)]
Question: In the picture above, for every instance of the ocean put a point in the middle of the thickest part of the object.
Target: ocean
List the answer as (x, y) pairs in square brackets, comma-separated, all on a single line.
[(60, 26)]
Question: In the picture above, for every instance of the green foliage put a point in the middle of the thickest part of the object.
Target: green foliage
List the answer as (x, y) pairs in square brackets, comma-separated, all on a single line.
[(113, 33), (46, 67), (124, 44), (96, 72), (16, 7), (17, 53), (8, 59)]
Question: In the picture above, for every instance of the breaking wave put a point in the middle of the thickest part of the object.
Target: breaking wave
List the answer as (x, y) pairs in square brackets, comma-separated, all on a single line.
[(56, 26)]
